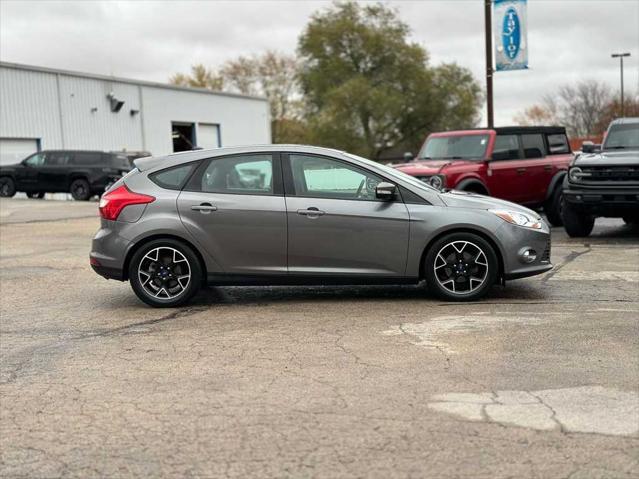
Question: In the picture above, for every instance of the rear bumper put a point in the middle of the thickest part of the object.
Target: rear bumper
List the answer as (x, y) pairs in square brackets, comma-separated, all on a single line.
[(108, 251), (107, 272)]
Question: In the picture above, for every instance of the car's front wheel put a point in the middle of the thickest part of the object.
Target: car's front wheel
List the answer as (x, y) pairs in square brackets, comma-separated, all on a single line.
[(165, 273), (7, 187), (577, 224), (80, 190), (461, 267)]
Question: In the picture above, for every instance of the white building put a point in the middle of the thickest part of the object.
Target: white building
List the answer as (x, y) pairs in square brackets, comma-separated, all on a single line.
[(43, 108)]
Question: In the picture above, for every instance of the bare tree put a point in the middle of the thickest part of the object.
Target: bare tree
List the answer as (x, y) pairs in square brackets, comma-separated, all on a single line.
[(271, 74), (578, 107)]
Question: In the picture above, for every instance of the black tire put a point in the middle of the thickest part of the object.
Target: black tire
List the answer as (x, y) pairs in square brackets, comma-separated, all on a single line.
[(35, 194), (577, 224), (553, 206), (7, 187), (144, 289), (80, 190), (436, 274)]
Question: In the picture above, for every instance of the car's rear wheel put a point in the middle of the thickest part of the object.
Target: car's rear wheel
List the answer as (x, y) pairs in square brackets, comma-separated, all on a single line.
[(461, 267), (35, 194), (7, 187), (577, 224), (80, 190), (553, 206), (165, 273)]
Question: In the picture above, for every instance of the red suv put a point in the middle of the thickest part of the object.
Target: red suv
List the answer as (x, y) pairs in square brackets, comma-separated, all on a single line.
[(521, 164)]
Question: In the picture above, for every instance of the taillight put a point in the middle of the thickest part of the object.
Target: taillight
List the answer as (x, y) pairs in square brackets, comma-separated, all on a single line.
[(112, 203)]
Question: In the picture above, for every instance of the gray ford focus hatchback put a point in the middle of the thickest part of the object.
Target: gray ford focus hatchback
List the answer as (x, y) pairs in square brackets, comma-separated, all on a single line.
[(285, 215)]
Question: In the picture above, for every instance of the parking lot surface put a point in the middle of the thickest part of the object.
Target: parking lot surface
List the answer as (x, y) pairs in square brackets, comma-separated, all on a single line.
[(541, 379)]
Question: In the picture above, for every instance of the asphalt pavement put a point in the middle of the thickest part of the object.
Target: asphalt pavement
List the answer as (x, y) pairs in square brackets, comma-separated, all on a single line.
[(538, 380)]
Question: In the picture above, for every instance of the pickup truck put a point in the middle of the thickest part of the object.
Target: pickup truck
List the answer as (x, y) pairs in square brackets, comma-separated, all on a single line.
[(523, 164)]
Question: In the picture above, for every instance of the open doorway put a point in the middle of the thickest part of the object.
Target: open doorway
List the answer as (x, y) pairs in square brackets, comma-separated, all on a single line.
[(183, 136)]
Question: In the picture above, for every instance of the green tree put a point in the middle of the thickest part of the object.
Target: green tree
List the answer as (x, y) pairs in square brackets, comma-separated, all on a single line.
[(368, 89)]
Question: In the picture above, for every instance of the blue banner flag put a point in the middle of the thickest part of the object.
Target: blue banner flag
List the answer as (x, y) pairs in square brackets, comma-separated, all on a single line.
[(510, 33)]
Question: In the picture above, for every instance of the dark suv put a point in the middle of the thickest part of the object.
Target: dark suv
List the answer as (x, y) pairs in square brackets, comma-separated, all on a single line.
[(604, 181), (524, 164), (81, 173)]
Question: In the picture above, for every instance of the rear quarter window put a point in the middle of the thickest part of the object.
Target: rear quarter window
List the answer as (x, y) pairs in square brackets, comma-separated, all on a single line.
[(173, 178), (558, 144), (88, 159)]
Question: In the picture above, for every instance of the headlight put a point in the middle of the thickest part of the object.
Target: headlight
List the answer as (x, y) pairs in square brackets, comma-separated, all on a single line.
[(574, 174), (436, 181), (519, 219)]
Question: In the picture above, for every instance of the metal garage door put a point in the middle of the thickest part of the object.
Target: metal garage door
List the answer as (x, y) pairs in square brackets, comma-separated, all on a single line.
[(13, 150), (208, 135)]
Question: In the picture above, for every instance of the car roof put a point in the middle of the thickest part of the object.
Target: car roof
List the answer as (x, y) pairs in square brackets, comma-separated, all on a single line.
[(507, 130), (625, 121), (174, 159)]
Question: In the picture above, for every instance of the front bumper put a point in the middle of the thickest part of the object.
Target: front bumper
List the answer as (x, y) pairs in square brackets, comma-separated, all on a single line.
[(517, 240), (602, 201)]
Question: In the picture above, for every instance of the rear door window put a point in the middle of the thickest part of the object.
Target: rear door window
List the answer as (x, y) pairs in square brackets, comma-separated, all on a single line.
[(558, 144), (533, 145), (88, 158), (58, 158), (506, 147), (241, 174)]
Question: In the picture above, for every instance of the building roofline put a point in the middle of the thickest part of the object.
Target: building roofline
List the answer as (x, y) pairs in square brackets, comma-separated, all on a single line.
[(96, 76)]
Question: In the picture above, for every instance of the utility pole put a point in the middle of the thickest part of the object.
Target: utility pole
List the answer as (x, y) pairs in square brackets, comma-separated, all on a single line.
[(621, 56), (489, 63)]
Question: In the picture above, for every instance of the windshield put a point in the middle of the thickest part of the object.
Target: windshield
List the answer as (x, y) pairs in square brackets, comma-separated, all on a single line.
[(622, 136), (396, 173), (464, 147)]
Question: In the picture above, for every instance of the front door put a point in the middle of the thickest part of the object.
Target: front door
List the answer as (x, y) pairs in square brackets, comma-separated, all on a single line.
[(234, 207), (53, 175), (336, 225), (27, 175)]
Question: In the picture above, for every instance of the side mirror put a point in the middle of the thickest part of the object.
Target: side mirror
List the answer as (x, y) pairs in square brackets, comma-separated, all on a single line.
[(408, 156), (590, 147), (385, 191)]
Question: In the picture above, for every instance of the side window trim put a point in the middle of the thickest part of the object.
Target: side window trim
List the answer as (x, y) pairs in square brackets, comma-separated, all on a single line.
[(289, 183), (278, 187)]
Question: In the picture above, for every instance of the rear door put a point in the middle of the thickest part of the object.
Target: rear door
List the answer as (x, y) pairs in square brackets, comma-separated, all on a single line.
[(336, 225), (538, 167), (234, 208), (506, 171), (52, 175)]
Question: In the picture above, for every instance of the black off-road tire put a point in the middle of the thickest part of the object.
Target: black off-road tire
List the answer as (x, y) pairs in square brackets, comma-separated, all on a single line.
[(553, 206), (577, 224), (140, 260), (433, 269), (80, 190), (7, 187)]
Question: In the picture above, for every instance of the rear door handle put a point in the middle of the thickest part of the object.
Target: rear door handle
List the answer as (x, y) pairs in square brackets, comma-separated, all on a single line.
[(204, 208), (311, 212), (548, 167), (521, 171)]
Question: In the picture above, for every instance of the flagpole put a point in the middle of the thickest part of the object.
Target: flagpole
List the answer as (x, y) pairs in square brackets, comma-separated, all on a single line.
[(489, 63)]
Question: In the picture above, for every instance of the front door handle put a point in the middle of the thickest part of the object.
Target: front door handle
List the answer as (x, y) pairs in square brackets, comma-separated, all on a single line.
[(204, 208), (548, 167), (521, 171), (311, 212)]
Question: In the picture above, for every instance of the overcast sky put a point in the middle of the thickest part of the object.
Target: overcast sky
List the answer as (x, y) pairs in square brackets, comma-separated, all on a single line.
[(568, 39)]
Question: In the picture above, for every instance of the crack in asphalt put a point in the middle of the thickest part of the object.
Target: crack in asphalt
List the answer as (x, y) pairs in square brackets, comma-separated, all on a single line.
[(569, 259)]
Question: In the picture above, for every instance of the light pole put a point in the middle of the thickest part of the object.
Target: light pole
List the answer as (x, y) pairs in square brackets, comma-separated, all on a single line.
[(620, 56), (488, 30)]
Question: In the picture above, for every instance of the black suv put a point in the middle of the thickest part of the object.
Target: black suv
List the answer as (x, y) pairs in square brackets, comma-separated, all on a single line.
[(81, 173), (604, 181)]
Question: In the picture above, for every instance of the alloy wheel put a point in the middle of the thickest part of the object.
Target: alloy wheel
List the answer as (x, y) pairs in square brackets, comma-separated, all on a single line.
[(164, 273), (461, 267)]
